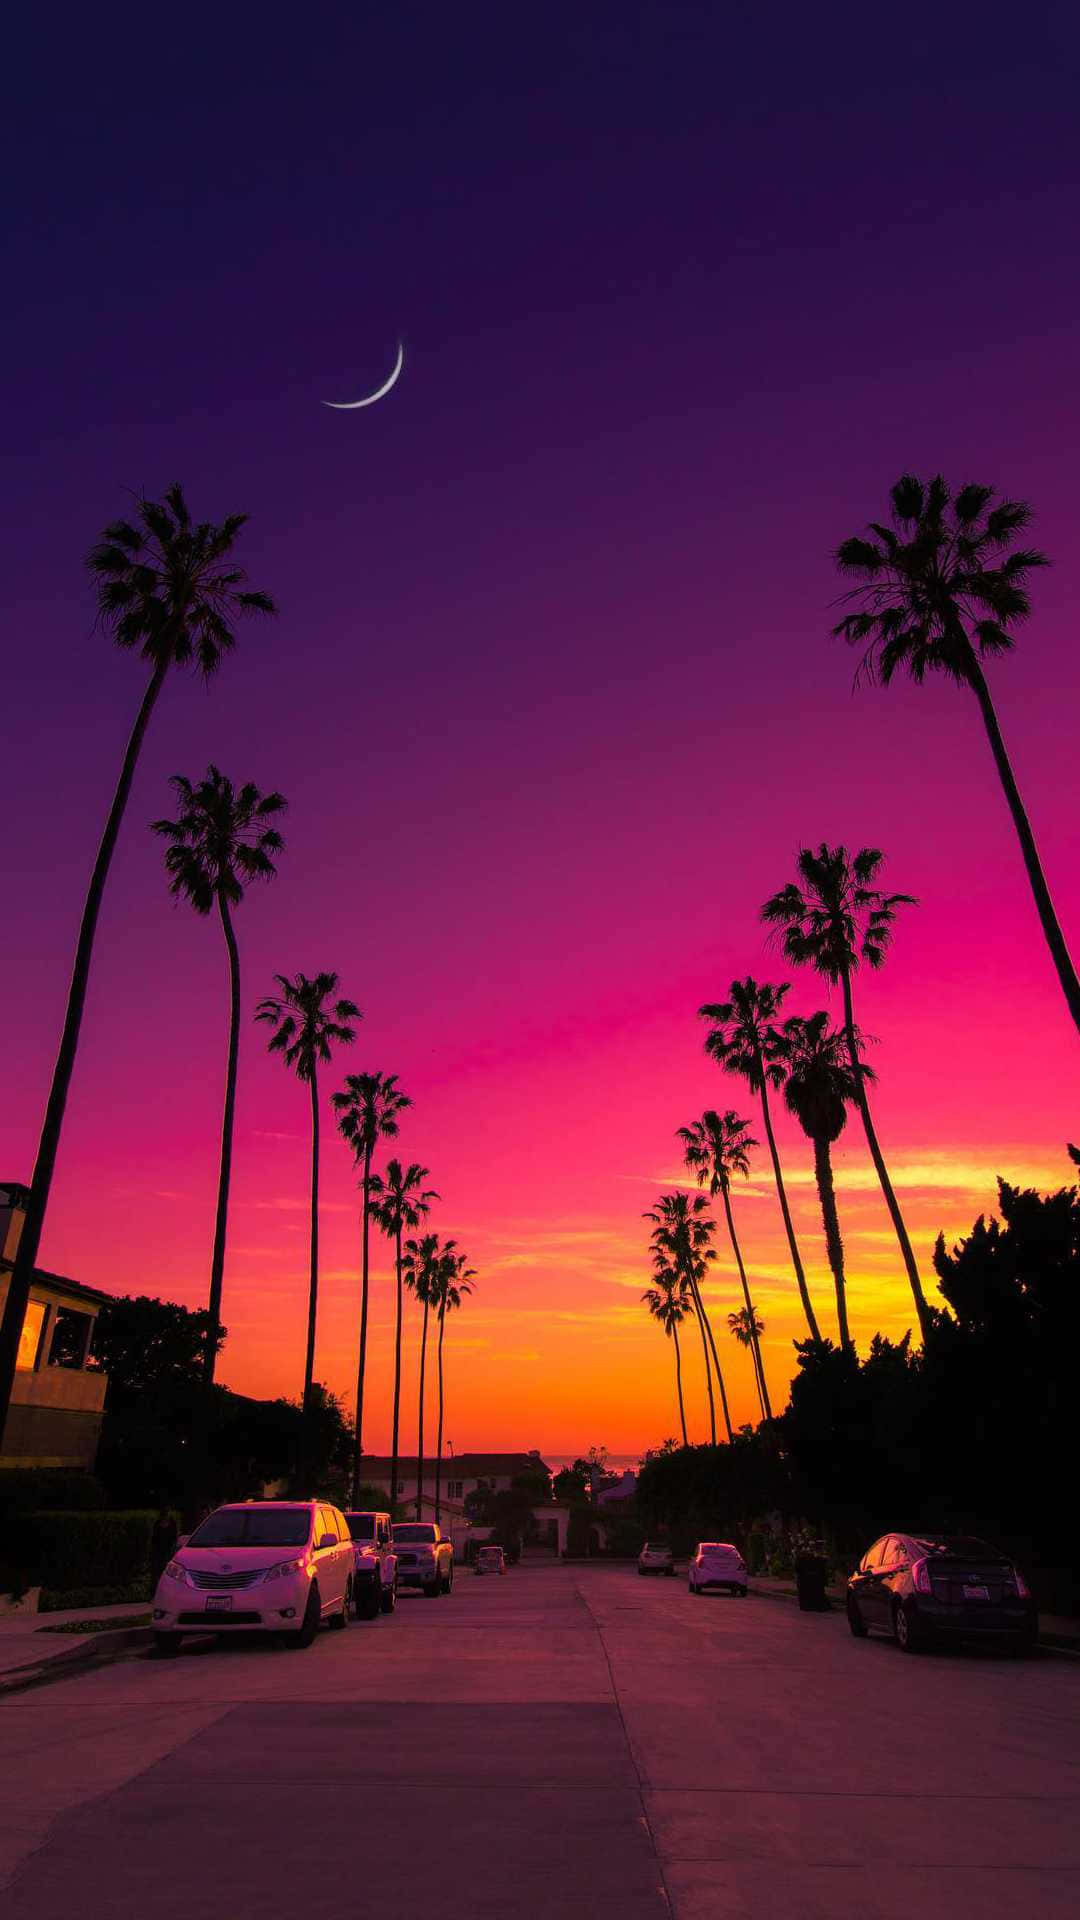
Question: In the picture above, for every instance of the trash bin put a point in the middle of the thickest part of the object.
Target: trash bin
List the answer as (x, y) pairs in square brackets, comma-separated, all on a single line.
[(811, 1570)]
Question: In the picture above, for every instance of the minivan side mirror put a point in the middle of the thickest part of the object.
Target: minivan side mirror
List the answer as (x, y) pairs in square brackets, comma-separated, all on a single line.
[(328, 1540)]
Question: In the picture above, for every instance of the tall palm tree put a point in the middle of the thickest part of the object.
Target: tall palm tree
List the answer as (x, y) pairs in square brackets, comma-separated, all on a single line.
[(682, 1231), (399, 1201), (169, 588), (819, 1088), (746, 1326), (454, 1282), (938, 592), (221, 839), (669, 1302), (832, 918), (308, 1024), (715, 1147), (367, 1108), (746, 1039), (422, 1265)]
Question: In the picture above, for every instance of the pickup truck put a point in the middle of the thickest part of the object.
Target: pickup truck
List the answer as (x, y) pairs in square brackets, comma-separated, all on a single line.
[(374, 1564), (425, 1556)]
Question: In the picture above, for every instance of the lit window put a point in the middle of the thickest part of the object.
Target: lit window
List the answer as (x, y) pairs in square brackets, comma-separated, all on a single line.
[(30, 1337)]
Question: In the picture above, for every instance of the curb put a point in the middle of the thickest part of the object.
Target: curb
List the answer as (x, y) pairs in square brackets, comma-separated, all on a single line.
[(96, 1650), (1054, 1643)]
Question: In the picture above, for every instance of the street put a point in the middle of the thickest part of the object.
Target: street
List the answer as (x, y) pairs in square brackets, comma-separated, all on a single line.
[(566, 1741)]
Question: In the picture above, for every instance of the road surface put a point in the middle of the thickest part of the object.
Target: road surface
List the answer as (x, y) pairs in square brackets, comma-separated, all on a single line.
[(562, 1744)]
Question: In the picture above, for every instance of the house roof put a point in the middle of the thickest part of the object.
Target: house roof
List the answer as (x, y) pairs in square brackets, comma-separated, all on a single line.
[(59, 1283), (457, 1466)]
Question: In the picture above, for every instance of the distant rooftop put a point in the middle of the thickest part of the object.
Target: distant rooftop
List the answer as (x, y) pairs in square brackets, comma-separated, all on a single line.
[(456, 1466)]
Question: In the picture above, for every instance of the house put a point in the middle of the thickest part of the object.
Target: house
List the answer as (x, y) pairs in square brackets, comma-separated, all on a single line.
[(58, 1398), (618, 1491), (460, 1475)]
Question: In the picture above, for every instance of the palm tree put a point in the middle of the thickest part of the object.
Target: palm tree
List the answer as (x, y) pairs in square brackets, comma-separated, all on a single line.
[(820, 1087), (682, 1230), (454, 1282), (367, 1108), (745, 1039), (422, 1265), (715, 1147), (746, 1326), (221, 840), (170, 589), (308, 1024), (834, 919), (938, 593), (669, 1302), (399, 1201)]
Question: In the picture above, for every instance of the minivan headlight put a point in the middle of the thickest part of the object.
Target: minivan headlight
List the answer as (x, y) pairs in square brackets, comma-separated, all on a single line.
[(285, 1567), (174, 1571)]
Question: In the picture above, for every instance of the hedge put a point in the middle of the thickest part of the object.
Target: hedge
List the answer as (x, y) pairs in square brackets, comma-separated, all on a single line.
[(76, 1554)]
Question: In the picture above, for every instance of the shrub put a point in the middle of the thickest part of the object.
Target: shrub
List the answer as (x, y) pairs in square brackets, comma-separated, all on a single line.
[(40, 1489), (78, 1553)]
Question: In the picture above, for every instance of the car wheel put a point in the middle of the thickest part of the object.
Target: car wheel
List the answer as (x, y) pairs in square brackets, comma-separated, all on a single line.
[(906, 1631), (369, 1603), (670, 1573), (855, 1620), (341, 1620), (448, 1583), (433, 1589), (309, 1626), (166, 1645), (388, 1598), (740, 1593)]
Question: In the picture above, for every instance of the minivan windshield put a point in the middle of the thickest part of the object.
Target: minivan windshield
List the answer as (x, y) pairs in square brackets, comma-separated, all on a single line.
[(361, 1525), (254, 1527), (415, 1534)]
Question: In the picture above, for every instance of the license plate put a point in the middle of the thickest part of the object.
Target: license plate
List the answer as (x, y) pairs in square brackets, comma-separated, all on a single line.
[(976, 1593), (219, 1603)]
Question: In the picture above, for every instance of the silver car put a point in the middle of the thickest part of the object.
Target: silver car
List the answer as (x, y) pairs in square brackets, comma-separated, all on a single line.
[(655, 1557)]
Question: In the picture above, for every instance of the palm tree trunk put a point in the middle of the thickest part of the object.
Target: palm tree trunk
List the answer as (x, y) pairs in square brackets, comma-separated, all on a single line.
[(833, 1242), (397, 1382), (678, 1385), (804, 1291), (438, 1444), (878, 1158), (751, 1320), (18, 1294), (217, 1260), (707, 1324), (705, 1355), (313, 1280), (420, 1416), (358, 1451), (1055, 939)]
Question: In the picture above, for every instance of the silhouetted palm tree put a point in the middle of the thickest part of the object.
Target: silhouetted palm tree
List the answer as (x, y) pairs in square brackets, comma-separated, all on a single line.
[(220, 840), (169, 588), (421, 1267), (454, 1282), (669, 1302), (308, 1024), (939, 592), (715, 1147), (746, 1040), (367, 1108), (831, 921), (398, 1201), (746, 1326), (820, 1087), (682, 1230)]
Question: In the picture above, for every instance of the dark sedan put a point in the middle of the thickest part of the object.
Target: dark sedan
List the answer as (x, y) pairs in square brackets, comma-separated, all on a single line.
[(925, 1587)]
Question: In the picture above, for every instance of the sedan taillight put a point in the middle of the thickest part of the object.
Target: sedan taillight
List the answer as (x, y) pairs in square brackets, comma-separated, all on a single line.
[(920, 1576), (1022, 1587)]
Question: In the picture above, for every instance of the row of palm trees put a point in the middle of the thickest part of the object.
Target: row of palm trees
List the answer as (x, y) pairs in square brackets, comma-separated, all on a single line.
[(832, 917), (170, 589)]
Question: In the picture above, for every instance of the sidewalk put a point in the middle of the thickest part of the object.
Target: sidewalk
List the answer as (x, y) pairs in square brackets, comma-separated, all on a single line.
[(28, 1654), (1055, 1630)]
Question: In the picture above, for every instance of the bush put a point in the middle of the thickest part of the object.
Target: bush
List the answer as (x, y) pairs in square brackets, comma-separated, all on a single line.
[(78, 1553), (40, 1489), (54, 1602)]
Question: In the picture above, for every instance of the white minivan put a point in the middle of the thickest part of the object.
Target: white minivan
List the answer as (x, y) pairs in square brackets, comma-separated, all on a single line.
[(282, 1566)]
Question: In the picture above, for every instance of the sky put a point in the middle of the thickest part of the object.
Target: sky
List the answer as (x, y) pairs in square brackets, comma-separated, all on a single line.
[(682, 289)]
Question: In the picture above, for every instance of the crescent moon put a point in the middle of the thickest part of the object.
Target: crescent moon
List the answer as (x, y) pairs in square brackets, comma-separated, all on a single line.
[(347, 406)]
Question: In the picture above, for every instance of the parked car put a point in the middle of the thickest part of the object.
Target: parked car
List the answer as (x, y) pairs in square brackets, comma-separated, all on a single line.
[(925, 1587), (490, 1560), (425, 1557), (279, 1566), (717, 1564), (375, 1564), (656, 1558)]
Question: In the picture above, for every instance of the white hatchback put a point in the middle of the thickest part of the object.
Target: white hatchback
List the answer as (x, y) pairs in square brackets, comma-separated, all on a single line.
[(718, 1564), (282, 1566)]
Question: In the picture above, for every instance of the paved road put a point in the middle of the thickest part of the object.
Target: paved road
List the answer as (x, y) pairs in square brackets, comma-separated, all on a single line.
[(564, 1742)]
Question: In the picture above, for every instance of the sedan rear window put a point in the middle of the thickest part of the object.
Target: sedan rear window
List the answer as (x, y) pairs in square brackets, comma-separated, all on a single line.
[(254, 1527)]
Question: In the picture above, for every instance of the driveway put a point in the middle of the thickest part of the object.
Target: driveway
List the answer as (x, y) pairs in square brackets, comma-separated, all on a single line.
[(567, 1742)]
